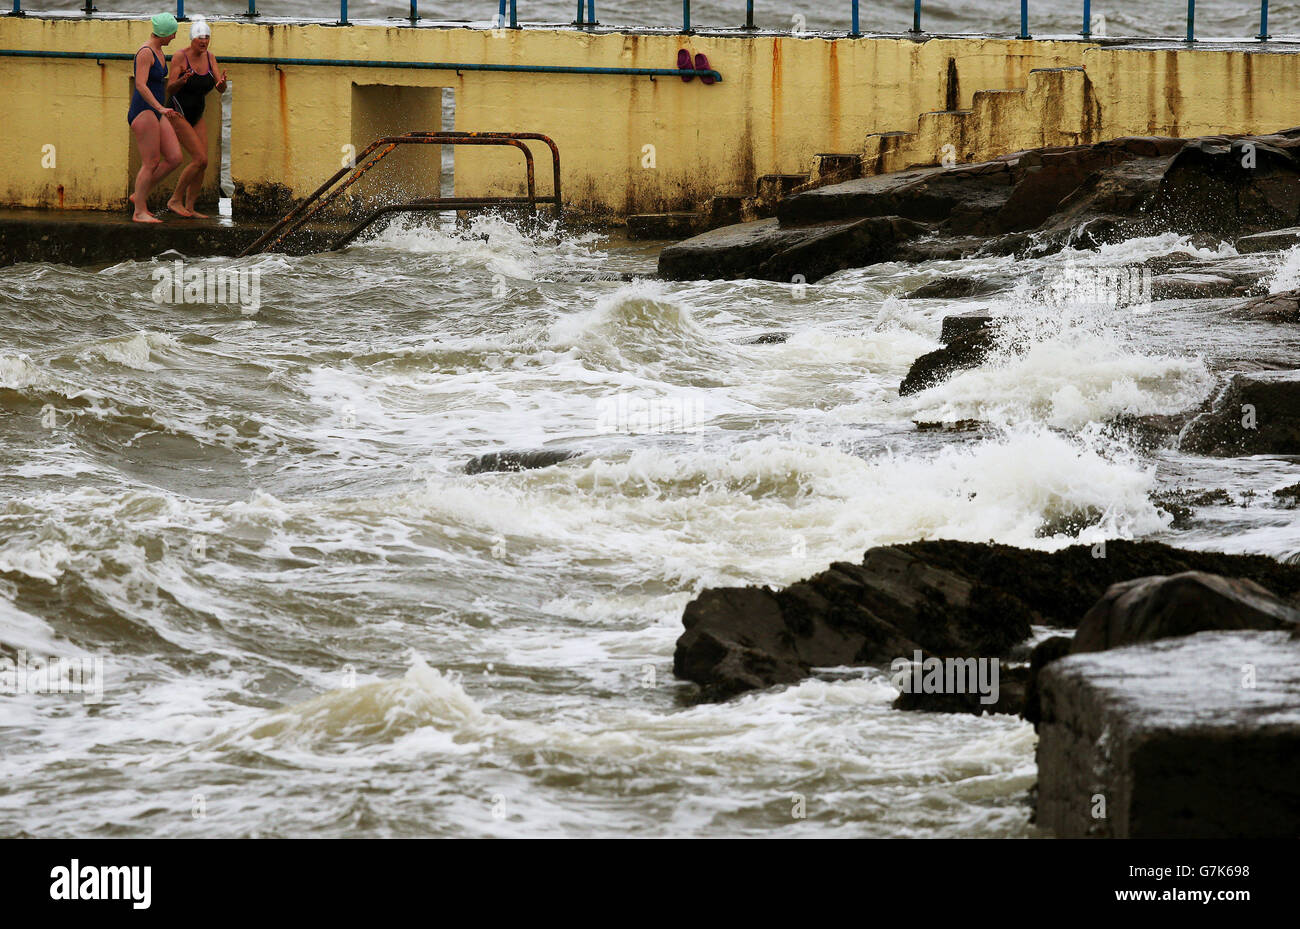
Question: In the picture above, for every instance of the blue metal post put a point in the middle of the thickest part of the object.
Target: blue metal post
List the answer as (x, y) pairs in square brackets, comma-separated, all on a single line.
[(1087, 18), (18, 8), (501, 15), (1263, 20), (415, 12), (1191, 20), (855, 33), (252, 9), (916, 16), (591, 13), (749, 14), (343, 13), (686, 15), (514, 15), (578, 21), (180, 11), (1024, 19)]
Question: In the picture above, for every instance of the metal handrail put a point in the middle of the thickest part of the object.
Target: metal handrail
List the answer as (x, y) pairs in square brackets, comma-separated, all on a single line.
[(586, 18), (366, 63), (373, 154)]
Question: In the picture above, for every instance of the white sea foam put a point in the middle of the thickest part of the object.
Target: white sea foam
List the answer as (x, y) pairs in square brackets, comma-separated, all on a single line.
[(1287, 275), (17, 372), (133, 352)]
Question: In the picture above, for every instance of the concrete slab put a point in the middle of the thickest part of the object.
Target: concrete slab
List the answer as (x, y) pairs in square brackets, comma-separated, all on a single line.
[(1191, 737), (92, 237)]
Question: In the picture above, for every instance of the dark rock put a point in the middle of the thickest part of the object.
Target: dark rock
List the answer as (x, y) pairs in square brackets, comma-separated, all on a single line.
[(1150, 431), (1192, 286), (728, 252), (1150, 608), (944, 598), (1168, 740), (1273, 308), (1179, 503), (1182, 514), (1256, 414), (1012, 681), (1207, 188), (890, 606), (768, 338), (957, 425), (1288, 496), (963, 324), (766, 251), (1044, 653), (1274, 240), (955, 287), (962, 352), (940, 248), (1060, 587), (736, 640), (517, 460), (865, 242), (1033, 202)]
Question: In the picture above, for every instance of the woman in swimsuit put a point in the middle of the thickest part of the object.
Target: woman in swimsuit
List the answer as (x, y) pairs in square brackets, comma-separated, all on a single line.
[(151, 119), (189, 100)]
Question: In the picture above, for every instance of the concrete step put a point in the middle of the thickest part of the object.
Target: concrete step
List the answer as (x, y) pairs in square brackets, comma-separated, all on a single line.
[(883, 152), (776, 186), (722, 211), (678, 225), (839, 165), (1057, 107)]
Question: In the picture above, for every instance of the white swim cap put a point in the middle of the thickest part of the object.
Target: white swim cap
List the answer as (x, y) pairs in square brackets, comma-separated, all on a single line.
[(199, 29)]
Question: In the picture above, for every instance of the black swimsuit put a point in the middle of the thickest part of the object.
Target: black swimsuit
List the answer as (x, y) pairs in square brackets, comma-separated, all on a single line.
[(189, 99)]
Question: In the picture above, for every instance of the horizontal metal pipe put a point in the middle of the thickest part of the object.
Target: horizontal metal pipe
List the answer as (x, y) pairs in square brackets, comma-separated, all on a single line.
[(362, 63)]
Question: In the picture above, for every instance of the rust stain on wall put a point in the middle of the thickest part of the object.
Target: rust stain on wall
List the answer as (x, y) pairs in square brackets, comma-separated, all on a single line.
[(777, 81), (284, 122), (1173, 94), (833, 79)]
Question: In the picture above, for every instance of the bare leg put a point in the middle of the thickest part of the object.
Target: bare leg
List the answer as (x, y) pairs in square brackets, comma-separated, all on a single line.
[(196, 182), (169, 151), (187, 186), (145, 128)]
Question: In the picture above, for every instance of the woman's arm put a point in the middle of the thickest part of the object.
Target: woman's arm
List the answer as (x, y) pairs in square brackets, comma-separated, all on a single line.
[(180, 68), (216, 70), (142, 78)]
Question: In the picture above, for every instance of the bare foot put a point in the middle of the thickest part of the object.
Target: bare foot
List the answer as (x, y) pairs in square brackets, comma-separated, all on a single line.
[(196, 214), (179, 209), (145, 217)]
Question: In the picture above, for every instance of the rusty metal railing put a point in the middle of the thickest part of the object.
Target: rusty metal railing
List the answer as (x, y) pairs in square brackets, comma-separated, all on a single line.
[(379, 149)]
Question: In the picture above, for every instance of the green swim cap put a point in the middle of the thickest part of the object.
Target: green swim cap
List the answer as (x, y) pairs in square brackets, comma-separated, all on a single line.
[(164, 24)]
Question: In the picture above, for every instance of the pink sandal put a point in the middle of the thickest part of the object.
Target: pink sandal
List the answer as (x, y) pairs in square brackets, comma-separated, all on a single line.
[(702, 64)]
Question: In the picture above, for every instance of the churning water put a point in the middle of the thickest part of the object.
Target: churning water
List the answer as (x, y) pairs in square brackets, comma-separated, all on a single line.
[(314, 622), (1237, 19)]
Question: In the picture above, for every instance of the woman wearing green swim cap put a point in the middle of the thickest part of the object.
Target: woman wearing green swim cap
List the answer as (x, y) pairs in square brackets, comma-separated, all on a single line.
[(151, 118)]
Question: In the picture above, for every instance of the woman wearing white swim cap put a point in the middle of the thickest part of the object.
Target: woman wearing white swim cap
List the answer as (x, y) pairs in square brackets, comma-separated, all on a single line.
[(189, 101)]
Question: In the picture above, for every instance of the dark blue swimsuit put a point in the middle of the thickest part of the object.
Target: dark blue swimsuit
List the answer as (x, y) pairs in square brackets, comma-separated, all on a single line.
[(157, 84)]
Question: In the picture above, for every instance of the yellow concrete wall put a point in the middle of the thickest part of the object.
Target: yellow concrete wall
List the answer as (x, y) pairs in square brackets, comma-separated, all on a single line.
[(1117, 92), (782, 100)]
